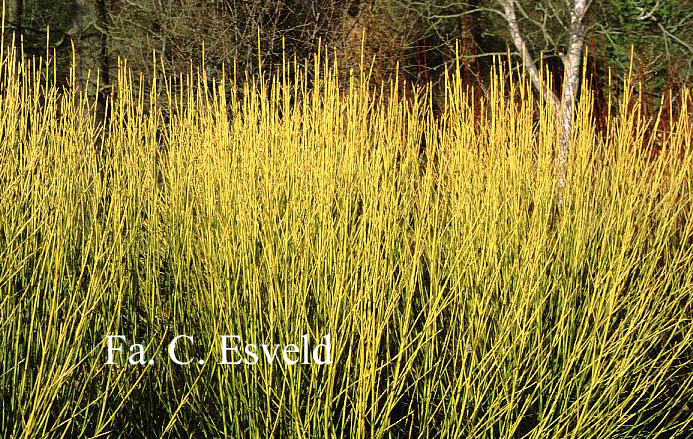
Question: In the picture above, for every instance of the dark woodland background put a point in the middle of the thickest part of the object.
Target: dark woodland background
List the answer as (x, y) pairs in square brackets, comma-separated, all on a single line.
[(419, 36)]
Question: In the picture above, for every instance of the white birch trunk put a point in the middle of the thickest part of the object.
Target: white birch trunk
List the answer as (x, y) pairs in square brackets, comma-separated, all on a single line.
[(571, 79), (527, 60)]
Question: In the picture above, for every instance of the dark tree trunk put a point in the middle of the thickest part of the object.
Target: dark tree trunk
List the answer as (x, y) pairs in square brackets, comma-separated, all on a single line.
[(105, 59), (14, 14), (90, 35)]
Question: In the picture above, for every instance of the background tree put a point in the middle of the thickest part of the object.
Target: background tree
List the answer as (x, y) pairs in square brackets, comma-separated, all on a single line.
[(572, 60), (89, 33), (661, 32), (14, 13), (421, 37), (30, 19)]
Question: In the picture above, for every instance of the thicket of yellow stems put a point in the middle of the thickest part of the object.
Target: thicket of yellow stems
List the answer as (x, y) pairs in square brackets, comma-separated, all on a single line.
[(461, 301)]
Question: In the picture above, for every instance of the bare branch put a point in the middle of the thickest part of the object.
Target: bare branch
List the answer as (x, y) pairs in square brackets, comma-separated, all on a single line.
[(675, 38), (644, 15)]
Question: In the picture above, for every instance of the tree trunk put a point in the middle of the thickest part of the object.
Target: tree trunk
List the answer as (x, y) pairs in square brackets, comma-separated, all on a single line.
[(104, 60), (571, 81), (468, 32), (527, 60), (571, 78), (104, 57), (90, 36), (14, 13)]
